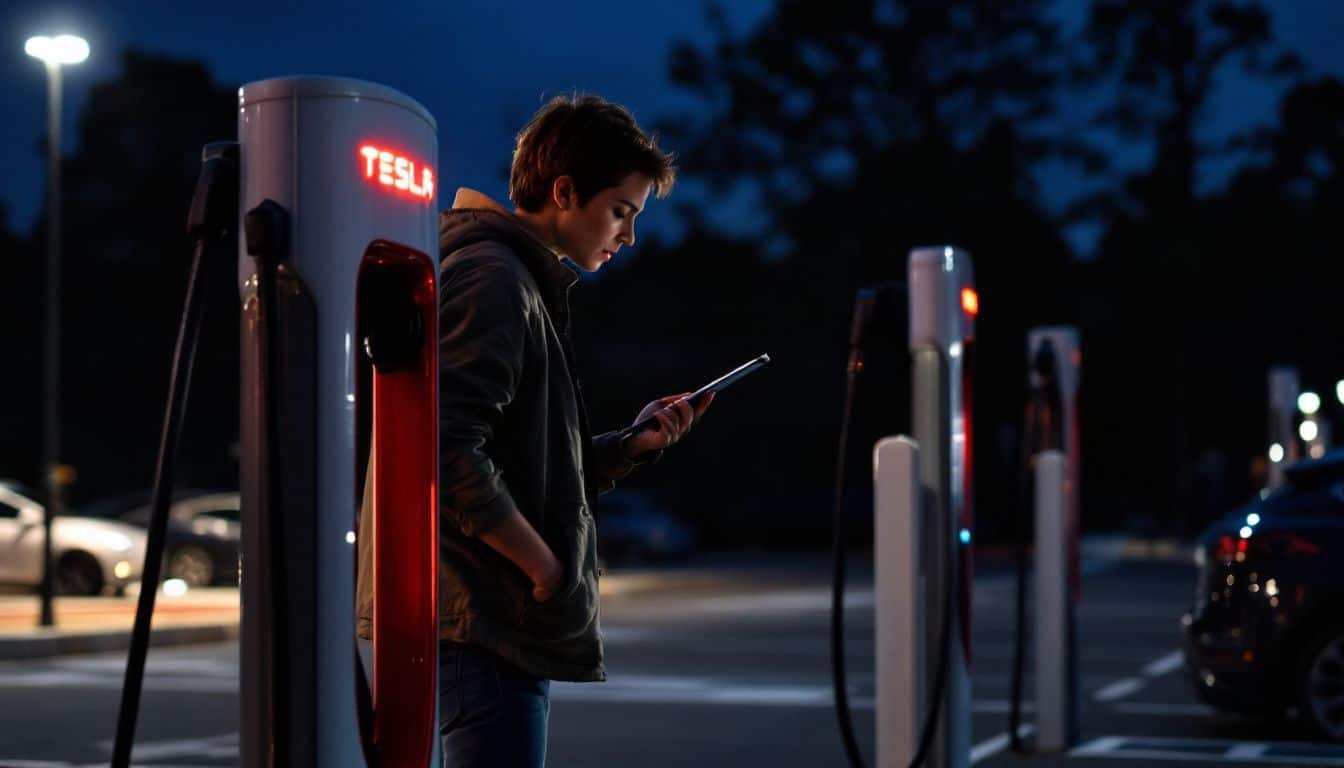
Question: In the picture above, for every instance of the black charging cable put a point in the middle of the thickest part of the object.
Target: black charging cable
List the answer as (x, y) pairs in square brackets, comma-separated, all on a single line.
[(838, 564), (1020, 550), (867, 305), (212, 220)]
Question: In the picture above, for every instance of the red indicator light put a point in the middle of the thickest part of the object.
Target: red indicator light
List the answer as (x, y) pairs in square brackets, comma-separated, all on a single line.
[(970, 301), (396, 172)]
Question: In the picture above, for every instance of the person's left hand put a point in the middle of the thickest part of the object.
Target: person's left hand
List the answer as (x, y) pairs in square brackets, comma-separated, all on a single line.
[(675, 418)]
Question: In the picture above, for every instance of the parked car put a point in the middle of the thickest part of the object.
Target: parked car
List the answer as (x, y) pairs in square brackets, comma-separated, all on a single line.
[(1267, 630), (90, 555), (632, 528), (202, 539)]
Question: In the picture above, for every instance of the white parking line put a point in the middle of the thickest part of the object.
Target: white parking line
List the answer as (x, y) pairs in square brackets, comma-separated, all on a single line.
[(1119, 689), (1247, 751), (1206, 751), (995, 745), (1158, 667), (1098, 747), (1162, 710), (223, 745)]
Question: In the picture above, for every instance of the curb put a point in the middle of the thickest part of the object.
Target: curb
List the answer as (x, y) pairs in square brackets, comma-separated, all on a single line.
[(62, 643)]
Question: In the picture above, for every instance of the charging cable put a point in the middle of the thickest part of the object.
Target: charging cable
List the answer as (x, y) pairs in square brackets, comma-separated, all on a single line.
[(872, 303), (212, 220)]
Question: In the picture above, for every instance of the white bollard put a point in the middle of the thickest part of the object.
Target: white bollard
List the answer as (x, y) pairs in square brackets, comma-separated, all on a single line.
[(1056, 682), (899, 597)]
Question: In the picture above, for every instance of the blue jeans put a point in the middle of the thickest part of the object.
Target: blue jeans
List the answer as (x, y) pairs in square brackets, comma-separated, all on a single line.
[(491, 713)]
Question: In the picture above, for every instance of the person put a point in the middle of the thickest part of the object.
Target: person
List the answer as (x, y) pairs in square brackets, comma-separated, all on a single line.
[(520, 470)]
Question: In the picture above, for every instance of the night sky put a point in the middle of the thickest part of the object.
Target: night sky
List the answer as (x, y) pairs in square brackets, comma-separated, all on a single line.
[(480, 67)]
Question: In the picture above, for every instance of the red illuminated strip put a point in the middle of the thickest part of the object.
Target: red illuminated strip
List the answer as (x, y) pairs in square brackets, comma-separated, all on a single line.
[(396, 172)]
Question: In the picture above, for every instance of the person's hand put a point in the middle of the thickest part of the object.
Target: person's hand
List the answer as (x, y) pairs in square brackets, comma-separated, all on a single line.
[(674, 416), (547, 582)]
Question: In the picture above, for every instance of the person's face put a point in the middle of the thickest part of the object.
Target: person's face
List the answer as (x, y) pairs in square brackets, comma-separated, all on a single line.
[(591, 234)]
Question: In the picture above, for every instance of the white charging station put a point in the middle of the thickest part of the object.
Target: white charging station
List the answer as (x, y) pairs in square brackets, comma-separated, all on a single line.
[(1054, 358), (1284, 449), (339, 362), (923, 524), (1054, 361)]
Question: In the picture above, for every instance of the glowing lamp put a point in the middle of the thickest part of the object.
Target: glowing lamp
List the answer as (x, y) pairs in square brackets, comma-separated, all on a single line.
[(62, 49), (970, 301)]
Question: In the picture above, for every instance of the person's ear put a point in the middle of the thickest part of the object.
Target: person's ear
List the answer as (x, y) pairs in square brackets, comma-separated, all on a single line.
[(563, 193)]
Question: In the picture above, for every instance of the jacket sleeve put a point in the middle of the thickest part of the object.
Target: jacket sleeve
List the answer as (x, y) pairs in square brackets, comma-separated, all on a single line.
[(482, 332), (611, 461)]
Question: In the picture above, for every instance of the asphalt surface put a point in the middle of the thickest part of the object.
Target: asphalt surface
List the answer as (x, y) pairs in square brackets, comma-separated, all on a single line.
[(726, 666)]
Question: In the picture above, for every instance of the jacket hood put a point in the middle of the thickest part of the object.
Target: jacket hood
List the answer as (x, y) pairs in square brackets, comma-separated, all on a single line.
[(475, 218)]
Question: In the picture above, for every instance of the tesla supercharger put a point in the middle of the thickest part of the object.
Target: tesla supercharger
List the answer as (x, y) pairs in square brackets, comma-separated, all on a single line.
[(1283, 447), (339, 379), (923, 524), (1054, 360)]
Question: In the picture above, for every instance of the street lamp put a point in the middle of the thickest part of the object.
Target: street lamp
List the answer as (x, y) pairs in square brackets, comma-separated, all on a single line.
[(53, 51)]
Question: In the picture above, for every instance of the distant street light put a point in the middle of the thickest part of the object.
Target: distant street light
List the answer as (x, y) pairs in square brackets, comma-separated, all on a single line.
[(53, 51), (1309, 403), (1308, 430)]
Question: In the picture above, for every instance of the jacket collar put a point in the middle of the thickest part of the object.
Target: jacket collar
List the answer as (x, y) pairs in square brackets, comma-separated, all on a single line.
[(553, 276), (549, 270)]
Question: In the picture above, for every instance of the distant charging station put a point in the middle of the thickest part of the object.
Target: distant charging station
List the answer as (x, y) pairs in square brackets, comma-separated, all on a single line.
[(1284, 389), (923, 525), (1054, 361), (339, 396)]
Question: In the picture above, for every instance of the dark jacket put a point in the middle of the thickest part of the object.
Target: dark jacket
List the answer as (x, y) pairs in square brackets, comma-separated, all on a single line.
[(513, 433)]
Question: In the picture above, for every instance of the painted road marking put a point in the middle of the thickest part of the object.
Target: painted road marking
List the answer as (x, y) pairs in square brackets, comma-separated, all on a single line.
[(995, 745), (1211, 751), (1247, 751), (1160, 709), (1169, 663), (223, 745), (1119, 689)]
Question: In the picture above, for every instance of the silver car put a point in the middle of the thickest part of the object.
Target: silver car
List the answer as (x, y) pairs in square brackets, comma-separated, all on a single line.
[(91, 556)]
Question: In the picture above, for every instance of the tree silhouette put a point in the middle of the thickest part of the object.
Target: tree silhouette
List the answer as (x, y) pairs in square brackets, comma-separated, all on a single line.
[(126, 257), (22, 284), (1156, 309), (857, 131)]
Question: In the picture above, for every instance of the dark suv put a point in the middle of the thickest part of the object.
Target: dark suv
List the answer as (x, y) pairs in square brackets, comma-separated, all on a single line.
[(1267, 630)]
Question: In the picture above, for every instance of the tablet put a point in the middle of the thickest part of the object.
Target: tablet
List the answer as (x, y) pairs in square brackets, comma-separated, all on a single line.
[(718, 385)]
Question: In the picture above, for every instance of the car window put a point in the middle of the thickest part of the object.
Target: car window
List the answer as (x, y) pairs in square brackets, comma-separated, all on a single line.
[(7, 512), (223, 514)]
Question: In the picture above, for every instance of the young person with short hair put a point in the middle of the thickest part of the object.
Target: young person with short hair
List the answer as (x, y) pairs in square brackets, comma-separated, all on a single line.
[(520, 470)]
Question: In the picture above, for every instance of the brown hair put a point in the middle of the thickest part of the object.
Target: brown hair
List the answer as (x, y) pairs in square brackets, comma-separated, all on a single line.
[(592, 140)]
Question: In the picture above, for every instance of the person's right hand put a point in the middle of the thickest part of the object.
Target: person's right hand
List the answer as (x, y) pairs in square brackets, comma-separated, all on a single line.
[(546, 583)]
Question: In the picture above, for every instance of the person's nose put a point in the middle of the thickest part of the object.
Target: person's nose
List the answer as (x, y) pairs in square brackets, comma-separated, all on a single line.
[(627, 234)]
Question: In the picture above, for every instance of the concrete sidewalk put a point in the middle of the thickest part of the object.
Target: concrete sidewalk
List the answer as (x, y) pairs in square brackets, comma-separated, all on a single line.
[(102, 624)]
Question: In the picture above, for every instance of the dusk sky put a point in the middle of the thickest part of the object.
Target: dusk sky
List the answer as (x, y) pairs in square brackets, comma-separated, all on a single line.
[(481, 68)]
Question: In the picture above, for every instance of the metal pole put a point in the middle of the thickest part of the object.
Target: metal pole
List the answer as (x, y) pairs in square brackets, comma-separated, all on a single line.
[(53, 372)]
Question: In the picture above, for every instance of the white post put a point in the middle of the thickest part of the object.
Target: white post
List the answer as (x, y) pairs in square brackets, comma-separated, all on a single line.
[(1055, 701), (899, 596)]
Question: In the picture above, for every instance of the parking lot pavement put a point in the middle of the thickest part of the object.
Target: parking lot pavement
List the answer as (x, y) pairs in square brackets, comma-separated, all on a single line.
[(724, 666)]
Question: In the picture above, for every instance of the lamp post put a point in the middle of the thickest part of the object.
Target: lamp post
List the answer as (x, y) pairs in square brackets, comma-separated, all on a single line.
[(53, 52)]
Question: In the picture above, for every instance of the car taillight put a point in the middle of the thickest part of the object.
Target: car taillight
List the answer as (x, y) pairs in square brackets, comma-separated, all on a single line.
[(1262, 545)]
